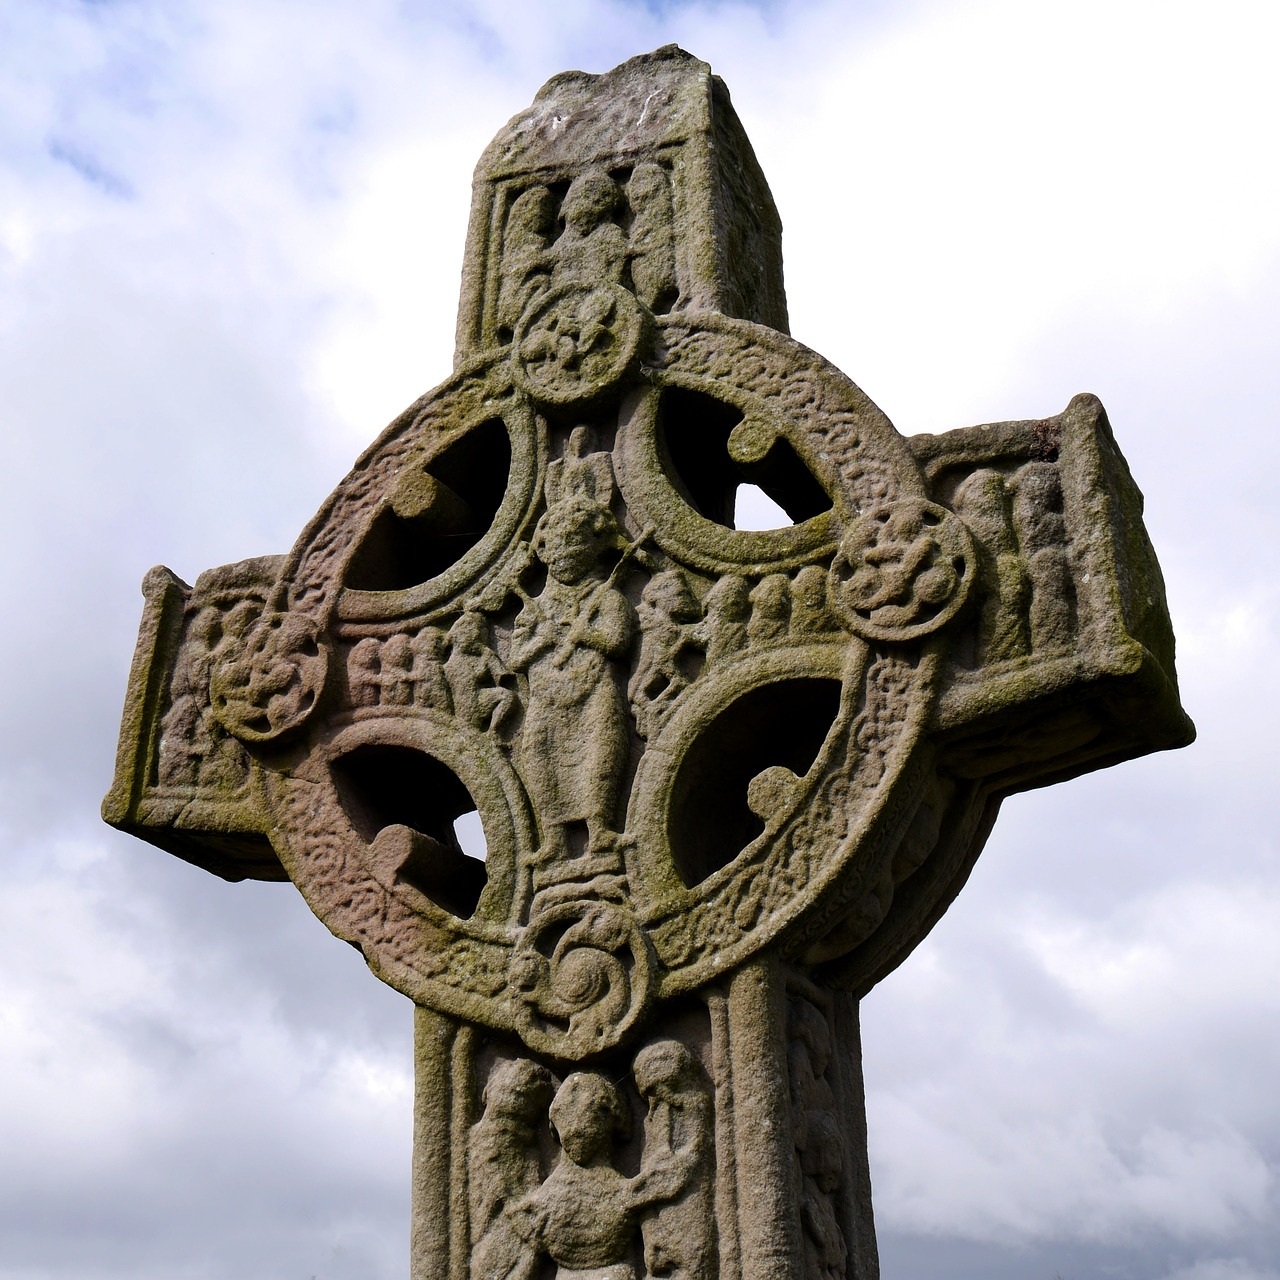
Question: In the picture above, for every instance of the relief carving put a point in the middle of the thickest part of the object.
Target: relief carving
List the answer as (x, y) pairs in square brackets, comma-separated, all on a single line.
[(903, 570), (679, 1238), (195, 750), (592, 248), (567, 642), (475, 676), (1042, 533), (653, 274), (770, 610), (668, 647), (265, 681), (364, 672), (819, 1146), (502, 1157), (526, 264), (982, 502), (723, 632), (585, 1214), (430, 678)]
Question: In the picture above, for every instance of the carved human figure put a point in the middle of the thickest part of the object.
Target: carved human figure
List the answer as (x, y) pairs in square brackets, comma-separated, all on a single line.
[(427, 670), (821, 1168), (653, 268), (229, 654), (770, 609), (223, 766), (584, 1216), (819, 1147), (679, 1240), (475, 673), (580, 470), (502, 1167), (983, 504), (723, 630), (525, 263), (396, 678), (186, 738), (811, 614), (574, 746), (1042, 531), (206, 631), (592, 249), (668, 610), (364, 672)]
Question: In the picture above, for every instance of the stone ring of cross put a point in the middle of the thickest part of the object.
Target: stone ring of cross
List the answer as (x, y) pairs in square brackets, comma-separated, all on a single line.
[(550, 726)]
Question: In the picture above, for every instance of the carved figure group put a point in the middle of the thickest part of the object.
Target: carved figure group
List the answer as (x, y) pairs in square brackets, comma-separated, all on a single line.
[(459, 673), (195, 749), (589, 247), (1021, 533), (585, 1213)]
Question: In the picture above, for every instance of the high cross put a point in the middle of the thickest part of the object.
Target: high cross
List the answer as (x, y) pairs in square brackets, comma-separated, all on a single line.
[(727, 778)]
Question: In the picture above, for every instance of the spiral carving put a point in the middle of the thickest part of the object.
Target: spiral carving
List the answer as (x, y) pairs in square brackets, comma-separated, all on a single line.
[(582, 974)]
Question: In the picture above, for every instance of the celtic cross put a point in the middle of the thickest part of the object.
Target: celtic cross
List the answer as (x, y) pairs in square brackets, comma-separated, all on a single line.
[(727, 778)]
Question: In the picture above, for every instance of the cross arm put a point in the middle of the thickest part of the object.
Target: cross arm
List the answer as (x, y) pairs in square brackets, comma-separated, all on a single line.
[(181, 781)]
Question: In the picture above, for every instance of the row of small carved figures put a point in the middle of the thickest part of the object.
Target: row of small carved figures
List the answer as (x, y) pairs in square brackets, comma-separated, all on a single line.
[(1029, 604), (460, 672), (1021, 531)]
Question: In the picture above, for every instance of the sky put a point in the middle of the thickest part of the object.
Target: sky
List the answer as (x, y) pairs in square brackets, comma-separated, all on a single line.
[(230, 240)]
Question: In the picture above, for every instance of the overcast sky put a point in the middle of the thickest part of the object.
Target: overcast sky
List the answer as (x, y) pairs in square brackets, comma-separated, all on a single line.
[(230, 239)]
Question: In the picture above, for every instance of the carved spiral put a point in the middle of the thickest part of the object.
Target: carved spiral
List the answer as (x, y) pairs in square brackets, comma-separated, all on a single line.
[(582, 974)]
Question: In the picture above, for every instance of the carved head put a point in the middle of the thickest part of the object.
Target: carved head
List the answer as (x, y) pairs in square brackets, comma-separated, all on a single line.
[(572, 535), (468, 633), (586, 1115), (669, 593), (647, 183), (1038, 487), (531, 213), (662, 1068), (519, 1090), (821, 1154), (429, 642), (593, 197), (729, 600)]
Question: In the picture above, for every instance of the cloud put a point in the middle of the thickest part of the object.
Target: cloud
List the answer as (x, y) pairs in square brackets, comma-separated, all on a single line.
[(1223, 1269)]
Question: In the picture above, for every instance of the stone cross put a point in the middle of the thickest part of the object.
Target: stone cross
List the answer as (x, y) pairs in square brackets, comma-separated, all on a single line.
[(727, 778)]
